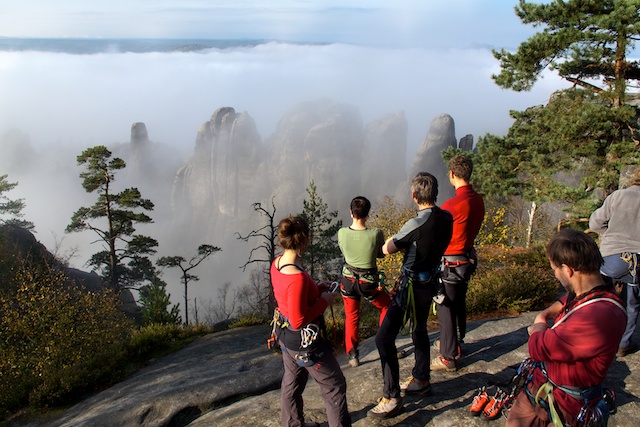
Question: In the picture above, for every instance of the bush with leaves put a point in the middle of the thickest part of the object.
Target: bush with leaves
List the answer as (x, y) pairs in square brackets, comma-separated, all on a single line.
[(58, 343), (511, 281), (389, 216)]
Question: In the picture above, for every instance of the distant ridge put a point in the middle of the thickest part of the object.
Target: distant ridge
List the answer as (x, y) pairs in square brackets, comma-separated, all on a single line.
[(93, 46)]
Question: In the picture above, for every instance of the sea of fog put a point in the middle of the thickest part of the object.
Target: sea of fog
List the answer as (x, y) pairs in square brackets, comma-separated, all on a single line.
[(58, 97)]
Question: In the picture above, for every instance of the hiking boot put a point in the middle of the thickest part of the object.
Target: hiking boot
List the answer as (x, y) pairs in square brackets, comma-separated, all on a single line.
[(416, 386), (439, 363), (404, 353), (436, 344), (354, 359), (386, 408), (623, 351), (479, 402), (494, 407)]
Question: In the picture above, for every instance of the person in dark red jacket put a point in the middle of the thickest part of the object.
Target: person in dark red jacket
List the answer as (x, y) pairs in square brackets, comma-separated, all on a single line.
[(575, 353), (458, 263), (297, 323)]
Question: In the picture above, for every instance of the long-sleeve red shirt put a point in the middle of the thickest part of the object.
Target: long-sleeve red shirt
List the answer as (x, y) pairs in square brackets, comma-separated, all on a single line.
[(467, 209), (578, 352), (297, 296)]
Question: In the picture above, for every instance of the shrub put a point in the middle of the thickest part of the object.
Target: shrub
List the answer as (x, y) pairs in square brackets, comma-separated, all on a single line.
[(511, 281), (158, 339), (57, 342)]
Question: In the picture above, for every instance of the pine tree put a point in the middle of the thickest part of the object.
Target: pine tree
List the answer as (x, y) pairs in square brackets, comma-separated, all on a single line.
[(124, 262), (204, 251), (155, 302), (323, 227), (11, 207), (586, 42)]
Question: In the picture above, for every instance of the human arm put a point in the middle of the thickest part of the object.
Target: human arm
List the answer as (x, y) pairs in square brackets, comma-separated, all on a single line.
[(379, 243), (389, 247), (599, 219), (540, 322)]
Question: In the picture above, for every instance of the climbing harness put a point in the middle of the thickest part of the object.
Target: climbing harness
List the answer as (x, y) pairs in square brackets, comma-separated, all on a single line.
[(366, 282), (403, 292), (301, 343)]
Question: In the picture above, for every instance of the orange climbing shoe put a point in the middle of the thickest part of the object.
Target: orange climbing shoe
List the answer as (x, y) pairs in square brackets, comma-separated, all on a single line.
[(493, 409), (480, 401)]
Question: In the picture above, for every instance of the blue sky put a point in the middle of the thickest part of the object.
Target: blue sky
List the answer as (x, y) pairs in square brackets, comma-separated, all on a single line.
[(397, 23)]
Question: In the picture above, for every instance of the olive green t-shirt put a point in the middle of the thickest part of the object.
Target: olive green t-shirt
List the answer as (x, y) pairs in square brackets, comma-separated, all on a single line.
[(360, 247)]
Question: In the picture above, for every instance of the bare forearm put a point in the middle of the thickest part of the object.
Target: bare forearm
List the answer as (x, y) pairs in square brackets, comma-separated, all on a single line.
[(389, 247)]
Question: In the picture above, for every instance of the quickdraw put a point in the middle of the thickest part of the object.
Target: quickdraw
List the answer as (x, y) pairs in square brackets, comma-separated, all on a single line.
[(308, 335), (278, 320), (631, 259)]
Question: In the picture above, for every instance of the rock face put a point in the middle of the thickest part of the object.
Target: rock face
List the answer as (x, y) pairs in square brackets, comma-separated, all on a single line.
[(225, 167), (384, 155), (320, 141), (230, 379), (466, 143), (441, 136)]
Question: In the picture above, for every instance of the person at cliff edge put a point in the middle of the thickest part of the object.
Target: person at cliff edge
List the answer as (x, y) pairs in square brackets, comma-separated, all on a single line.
[(619, 220), (571, 357), (458, 263), (423, 240), (297, 323), (360, 278)]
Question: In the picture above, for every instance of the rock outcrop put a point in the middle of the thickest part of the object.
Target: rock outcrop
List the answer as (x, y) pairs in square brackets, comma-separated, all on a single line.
[(320, 141), (441, 136), (225, 170), (384, 155), (230, 379), (466, 143)]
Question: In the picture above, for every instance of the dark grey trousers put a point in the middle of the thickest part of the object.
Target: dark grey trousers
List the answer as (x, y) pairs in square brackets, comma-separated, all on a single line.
[(326, 372)]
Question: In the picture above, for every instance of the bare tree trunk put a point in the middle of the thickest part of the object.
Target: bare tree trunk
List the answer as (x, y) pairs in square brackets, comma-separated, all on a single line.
[(195, 310), (532, 214)]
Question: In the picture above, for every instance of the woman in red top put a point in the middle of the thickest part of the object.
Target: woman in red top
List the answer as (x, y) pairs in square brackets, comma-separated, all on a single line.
[(301, 303)]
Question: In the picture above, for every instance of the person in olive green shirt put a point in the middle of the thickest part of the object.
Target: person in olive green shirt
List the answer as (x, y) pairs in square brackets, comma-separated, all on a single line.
[(360, 246)]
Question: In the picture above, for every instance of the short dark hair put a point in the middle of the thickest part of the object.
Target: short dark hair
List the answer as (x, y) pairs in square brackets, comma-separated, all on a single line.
[(461, 166), (575, 249), (425, 188), (360, 207), (293, 233)]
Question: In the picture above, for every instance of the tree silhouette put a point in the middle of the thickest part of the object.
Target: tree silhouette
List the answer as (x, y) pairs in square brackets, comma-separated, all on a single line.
[(11, 207), (204, 251), (585, 42), (267, 236), (323, 227), (124, 262)]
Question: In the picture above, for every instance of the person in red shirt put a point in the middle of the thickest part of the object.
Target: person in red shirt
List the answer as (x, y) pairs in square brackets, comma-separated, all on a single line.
[(575, 353), (458, 263), (297, 322)]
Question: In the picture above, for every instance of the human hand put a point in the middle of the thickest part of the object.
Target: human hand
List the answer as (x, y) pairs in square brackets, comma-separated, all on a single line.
[(540, 318), (537, 327)]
